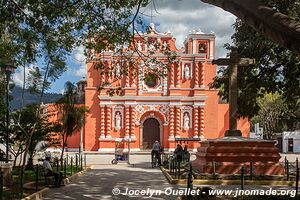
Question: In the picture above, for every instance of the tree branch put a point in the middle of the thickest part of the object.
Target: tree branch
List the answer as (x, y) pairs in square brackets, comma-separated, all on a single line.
[(274, 25)]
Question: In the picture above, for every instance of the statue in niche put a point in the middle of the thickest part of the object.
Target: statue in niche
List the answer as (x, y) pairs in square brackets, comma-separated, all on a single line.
[(186, 72), (165, 45), (151, 47), (202, 48), (139, 46), (186, 121), (118, 121), (118, 70)]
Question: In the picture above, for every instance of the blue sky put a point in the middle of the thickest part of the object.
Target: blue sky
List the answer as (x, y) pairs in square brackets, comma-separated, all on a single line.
[(176, 16)]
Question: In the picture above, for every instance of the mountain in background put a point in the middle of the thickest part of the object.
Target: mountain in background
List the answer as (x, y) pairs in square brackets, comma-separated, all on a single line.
[(29, 98)]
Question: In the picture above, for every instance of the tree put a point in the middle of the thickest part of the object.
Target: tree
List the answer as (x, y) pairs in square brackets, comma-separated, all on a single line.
[(270, 18), (41, 133), (49, 31), (272, 110), (276, 70), (71, 115)]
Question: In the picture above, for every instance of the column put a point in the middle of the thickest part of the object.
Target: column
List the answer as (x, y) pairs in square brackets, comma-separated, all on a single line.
[(196, 123), (102, 122), (171, 122), (178, 122), (178, 75), (109, 75), (127, 74), (140, 80), (132, 76), (165, 83), (127, 121), (211, 49), (202, 123), (108, 122), (172, 71), (202, 76), (132, 125), (194, 46), (196, 75)]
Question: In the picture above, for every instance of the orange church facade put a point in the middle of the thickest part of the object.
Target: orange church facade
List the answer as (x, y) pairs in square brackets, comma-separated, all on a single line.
[(179, 105)]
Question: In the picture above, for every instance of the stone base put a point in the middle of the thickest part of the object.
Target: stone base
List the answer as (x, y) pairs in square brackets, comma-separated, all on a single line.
[(230, 153), (233, 133)]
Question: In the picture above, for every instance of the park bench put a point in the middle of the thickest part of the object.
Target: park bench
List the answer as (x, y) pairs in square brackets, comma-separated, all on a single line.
[(47, 180)]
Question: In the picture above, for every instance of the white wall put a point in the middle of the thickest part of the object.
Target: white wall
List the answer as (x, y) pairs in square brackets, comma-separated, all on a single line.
[(296, 138), (255, 135)]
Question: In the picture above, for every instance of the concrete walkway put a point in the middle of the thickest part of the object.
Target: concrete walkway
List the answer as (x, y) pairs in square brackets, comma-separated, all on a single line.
[(103, 180)]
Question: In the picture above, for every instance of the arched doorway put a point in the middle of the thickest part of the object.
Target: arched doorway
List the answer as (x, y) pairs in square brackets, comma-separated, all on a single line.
[(151, 132)]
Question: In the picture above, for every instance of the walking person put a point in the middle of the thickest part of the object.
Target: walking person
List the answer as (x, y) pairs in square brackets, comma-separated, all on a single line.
[(156, 152)]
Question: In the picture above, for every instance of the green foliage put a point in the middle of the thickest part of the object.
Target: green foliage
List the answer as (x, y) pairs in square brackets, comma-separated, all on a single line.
[(23, 125), (272, 109), (276, 70)]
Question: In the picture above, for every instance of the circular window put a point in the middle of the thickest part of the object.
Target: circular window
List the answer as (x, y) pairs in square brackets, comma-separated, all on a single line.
[(151, 80)]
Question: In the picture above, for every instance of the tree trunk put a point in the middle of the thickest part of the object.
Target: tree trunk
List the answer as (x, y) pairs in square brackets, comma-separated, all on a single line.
[(63, 147), (274, 25)]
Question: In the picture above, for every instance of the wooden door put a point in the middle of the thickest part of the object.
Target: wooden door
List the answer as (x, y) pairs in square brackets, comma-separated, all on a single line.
[(151, 133)]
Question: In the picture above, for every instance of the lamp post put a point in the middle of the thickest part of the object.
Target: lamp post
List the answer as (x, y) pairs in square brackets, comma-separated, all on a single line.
[(9, 68)]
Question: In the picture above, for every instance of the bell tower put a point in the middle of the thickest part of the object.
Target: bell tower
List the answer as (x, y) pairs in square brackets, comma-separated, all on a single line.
[(198, 42)]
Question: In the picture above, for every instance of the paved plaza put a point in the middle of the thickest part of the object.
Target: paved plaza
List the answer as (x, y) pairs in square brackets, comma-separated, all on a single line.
[(102, 179)]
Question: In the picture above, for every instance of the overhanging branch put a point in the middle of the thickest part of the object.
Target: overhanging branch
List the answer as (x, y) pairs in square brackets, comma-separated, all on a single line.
[(274, 25)]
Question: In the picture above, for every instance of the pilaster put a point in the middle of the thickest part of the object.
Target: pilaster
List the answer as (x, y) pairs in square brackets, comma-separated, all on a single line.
[(202, 122), (177, 122), (132, 125), (171, 122), (102, 122), (127, 121)]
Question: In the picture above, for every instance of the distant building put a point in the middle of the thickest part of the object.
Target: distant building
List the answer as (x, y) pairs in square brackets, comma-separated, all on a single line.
[(81, 85), (291, 142)]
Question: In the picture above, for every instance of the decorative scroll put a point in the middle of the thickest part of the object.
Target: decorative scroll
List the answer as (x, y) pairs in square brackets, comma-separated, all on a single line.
[(162, 109)]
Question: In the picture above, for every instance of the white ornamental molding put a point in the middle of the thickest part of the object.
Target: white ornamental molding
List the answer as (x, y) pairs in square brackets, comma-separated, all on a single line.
[(163, 109), (118, 109)]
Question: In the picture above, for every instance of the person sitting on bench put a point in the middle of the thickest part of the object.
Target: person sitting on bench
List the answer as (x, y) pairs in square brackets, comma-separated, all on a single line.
[(49, 172)]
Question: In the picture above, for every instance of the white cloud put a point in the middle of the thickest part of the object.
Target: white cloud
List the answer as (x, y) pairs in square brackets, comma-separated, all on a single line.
[(80, 59), (18, 76), (180, 16)]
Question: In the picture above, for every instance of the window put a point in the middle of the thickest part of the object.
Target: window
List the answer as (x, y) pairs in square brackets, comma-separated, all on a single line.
[(151, 80)]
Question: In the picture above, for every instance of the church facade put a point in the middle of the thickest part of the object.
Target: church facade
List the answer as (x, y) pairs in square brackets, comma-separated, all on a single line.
[(179, 105)]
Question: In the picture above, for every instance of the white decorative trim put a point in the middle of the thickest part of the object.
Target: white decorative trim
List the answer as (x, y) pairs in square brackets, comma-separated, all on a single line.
[(194, 45), (107, 139), (165, 84), (152, 98), (106, 150), (199, 104), (131, 150), (163, 109), (211, 49)]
